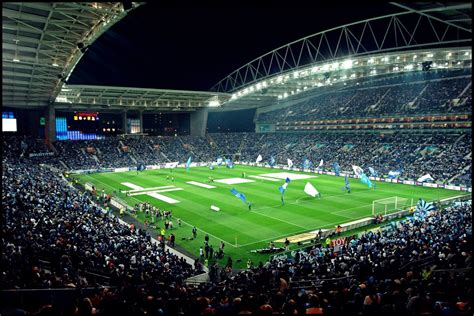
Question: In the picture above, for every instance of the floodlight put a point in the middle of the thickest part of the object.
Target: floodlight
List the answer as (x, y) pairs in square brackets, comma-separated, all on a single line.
[(347, 64)]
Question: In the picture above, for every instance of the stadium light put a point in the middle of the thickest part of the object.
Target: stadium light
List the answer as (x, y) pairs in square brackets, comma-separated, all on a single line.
[(429, 55), (371, 61), (466, 53), (409, 67), (347, 64), (214, 103), (325, 67), (285, 95)]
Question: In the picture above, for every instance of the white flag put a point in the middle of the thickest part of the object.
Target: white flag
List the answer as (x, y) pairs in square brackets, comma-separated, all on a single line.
[(357, 170), (171, 164), (320, 164), (259, 158), (425, 178), (310, 190), (290, 163)]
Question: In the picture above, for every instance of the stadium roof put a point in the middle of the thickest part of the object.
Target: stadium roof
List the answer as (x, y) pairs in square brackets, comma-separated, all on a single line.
[(42, 43), (118, 98), (288, 70), (457, 14)]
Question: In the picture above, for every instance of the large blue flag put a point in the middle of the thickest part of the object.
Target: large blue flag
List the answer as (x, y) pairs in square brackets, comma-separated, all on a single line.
[(188, 163), (229, 163), (337, 169), (283, 187), (347, 185), (306, 164), (365, 180), (272, 161), (239, 195)]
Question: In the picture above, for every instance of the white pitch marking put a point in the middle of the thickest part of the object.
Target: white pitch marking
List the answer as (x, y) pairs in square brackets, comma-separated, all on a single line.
[(234, 181), (152, 194), (203, 185), (264, 178), (131, 185), (284, 175), (156, 191), (163, 198), (150, 189)]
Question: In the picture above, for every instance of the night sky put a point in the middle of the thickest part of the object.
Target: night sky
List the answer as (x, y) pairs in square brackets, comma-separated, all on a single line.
[(194, 48)]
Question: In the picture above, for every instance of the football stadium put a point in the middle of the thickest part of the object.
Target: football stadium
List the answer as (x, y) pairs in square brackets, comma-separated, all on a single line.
[(157, 163)]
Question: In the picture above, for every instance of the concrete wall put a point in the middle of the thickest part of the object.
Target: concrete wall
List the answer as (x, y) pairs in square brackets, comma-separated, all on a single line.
[(198, 122), (50, 128)]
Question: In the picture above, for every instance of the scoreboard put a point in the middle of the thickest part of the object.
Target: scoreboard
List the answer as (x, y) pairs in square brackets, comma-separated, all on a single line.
[(77, 125), (86, 116)]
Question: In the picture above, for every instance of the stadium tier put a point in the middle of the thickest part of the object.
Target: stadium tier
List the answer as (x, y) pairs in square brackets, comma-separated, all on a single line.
[(329, 176), (445, 156), (421, 93)]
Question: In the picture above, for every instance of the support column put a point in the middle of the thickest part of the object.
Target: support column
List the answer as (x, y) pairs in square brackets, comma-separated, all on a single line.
[(140, 114), (124, 122), (50, 128), (198, 122)]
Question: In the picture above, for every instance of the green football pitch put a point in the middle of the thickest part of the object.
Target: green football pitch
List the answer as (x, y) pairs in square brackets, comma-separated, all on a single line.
[(241, 229)]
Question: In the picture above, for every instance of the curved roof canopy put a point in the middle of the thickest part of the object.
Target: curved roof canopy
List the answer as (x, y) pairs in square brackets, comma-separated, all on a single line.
[(43, 41), (143, 99), (419, 27)]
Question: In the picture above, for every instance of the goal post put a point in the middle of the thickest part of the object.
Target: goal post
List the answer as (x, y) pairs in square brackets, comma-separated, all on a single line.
[(390, 205)]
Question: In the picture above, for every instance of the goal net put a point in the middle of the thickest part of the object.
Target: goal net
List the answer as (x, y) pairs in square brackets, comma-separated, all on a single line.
[(390, 205)]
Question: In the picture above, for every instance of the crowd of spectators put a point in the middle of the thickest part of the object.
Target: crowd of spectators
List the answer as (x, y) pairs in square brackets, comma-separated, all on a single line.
[(54, 237), (445, 156), (406, 95)]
